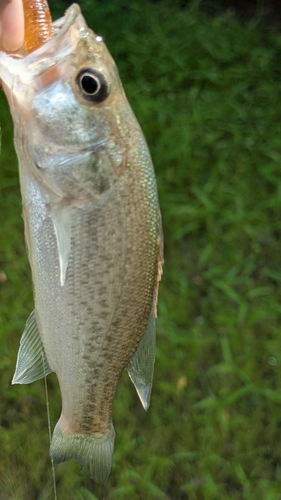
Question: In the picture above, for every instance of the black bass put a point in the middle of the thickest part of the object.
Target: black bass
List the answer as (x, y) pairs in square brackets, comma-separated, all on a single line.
[(93, 233)]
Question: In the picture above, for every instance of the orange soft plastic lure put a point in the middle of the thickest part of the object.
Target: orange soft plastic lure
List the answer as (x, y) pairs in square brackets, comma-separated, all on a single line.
[(38, 24)]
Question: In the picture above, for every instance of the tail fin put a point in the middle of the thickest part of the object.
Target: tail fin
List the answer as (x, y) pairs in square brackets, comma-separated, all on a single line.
[(94, 451)]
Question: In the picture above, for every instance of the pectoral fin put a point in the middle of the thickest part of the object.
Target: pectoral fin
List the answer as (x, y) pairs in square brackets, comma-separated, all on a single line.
[(141, 366), (32, 363), (61, 217)]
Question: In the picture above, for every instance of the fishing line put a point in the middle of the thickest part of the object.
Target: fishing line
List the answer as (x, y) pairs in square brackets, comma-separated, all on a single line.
[(50, 433)]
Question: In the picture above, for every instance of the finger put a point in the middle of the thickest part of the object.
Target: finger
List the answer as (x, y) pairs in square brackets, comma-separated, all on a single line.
[(12, 25)]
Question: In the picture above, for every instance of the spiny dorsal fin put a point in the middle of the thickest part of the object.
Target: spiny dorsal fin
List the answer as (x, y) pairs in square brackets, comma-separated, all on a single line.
[(32, 363)]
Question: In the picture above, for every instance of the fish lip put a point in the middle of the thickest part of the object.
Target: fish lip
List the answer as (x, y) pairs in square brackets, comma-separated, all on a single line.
[(69, 18)]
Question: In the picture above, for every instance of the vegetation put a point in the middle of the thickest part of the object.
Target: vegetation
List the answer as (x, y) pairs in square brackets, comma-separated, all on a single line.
[(206, 91)]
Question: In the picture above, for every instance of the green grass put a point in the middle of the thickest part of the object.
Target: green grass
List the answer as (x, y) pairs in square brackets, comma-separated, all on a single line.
[(206, 91)]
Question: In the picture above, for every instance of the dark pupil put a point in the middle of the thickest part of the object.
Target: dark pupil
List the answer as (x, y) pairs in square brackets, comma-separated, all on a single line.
[(89, 84)]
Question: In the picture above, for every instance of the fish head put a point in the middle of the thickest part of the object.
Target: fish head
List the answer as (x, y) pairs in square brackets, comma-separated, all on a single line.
[(70, 111)]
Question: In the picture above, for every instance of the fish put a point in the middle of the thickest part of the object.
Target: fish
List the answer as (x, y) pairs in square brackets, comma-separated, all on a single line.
[(93, 232)]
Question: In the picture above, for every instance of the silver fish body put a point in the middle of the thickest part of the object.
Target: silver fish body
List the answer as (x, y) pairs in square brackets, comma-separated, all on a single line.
[(93, 233)]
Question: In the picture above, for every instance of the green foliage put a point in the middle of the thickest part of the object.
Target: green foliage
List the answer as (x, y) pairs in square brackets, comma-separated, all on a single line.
[(206, 92)]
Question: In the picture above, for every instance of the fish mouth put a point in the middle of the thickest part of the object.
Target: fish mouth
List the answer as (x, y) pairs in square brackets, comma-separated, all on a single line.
[(30, 66), (61, 27), (61, 45)]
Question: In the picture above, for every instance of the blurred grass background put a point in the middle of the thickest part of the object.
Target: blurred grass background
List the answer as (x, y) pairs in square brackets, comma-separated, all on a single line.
[(205, 86)]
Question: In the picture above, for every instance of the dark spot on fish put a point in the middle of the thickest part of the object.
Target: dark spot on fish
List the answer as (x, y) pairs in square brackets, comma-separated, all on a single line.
[(87, 357), (103, 315), (103, 303)]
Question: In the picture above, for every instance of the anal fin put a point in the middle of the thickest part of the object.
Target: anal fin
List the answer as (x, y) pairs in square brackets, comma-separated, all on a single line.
[(32, 363), (141, 366)]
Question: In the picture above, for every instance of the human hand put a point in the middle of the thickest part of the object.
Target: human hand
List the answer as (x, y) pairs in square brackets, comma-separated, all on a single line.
[(11, 25)]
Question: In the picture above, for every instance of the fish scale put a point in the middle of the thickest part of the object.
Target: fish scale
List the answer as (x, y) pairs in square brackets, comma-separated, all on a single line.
[(93, 232)]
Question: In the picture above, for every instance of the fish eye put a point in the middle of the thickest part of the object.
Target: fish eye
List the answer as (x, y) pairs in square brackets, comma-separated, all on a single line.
[(92, 85)]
